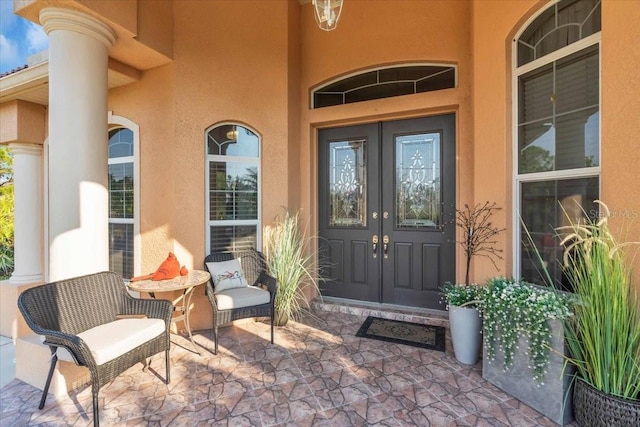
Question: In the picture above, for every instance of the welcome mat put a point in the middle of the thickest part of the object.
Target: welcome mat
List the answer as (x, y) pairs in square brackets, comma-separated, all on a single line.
[(400, 332)]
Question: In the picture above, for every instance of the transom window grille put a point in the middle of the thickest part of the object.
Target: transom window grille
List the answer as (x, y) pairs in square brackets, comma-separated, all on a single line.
[(233, 196), (121, 201), (557, 115), (385, 83)]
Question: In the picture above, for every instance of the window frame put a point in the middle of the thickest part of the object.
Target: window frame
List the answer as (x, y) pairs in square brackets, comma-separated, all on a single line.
[(208, 158), (563, 174), (118, 122)]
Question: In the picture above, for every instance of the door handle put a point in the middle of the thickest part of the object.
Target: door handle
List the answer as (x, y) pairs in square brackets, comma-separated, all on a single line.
[(385, 246), (374, 240)]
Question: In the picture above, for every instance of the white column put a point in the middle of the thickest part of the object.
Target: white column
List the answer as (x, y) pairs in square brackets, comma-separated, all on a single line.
[(27, 185), (78, 213)]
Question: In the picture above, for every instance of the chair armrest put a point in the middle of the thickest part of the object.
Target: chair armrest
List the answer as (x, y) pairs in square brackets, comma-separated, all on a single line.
[(152, 308), (74, 344), (270, 282)]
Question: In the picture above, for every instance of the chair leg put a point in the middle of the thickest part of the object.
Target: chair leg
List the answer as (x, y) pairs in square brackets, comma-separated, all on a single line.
[(272, 320), (166, 357), (215, 338), (54, 361), (96, 412)]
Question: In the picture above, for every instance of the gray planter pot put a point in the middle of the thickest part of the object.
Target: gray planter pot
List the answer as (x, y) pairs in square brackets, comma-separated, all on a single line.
[(551, 397), (466, 333)]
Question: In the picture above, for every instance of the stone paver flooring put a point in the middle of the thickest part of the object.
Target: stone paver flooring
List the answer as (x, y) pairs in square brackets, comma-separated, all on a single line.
[(318, 373)]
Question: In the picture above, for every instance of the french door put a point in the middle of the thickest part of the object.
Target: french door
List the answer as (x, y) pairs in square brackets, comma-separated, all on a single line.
[(386, 208)]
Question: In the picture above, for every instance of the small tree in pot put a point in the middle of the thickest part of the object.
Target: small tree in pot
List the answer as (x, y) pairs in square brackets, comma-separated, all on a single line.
[(465, 301)]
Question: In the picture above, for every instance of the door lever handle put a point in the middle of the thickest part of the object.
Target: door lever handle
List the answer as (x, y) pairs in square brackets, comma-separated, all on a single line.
[(374, 241), (385, 246)]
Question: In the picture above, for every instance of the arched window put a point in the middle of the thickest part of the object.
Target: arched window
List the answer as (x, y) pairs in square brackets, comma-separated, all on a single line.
[(123, 210), (232, 188), (557, 129), (378, 83)]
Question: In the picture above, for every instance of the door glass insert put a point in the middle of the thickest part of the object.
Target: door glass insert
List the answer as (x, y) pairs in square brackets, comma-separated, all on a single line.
[(418, 177), (347, 184)]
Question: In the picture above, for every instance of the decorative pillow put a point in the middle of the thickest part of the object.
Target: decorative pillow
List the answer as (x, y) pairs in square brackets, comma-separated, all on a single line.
[(227, 275)]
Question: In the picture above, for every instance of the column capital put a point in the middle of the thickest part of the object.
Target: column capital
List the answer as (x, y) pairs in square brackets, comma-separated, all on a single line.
[(25, 148), (57, 18)]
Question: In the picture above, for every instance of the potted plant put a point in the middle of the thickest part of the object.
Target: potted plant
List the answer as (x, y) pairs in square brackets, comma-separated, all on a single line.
[(292, 259), (465, 322), (524, 345), (464, 301), (604, 335)]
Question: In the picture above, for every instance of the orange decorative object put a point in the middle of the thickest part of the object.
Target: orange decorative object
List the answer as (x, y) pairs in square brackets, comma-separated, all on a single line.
[(169, 269)]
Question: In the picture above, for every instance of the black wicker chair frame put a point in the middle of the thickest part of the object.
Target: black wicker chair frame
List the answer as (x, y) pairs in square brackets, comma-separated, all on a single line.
[(254, 267), (61, 310)]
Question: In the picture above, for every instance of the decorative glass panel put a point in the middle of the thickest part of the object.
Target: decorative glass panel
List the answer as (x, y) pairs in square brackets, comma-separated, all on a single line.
[(418, 177), (121, 249), (347, 184), (547, 205), (233, 191)]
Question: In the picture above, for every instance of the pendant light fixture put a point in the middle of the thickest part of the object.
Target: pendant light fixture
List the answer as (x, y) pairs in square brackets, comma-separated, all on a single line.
[(327, 13)]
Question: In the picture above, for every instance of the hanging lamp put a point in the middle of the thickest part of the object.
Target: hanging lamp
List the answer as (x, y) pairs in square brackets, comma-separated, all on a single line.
[(327, 13)]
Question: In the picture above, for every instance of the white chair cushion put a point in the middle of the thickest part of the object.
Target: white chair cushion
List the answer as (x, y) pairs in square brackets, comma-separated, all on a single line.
[(241, 297), (114, 339), (227, 275)]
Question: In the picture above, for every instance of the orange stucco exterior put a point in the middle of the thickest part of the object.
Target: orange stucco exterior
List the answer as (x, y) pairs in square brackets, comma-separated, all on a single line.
[(255, 62)]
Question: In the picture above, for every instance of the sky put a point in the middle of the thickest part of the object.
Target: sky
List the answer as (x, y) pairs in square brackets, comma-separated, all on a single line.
[(19, 38)]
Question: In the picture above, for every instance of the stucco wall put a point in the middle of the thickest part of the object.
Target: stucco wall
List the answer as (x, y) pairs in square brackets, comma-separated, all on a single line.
[(492, 118), (232, 63)]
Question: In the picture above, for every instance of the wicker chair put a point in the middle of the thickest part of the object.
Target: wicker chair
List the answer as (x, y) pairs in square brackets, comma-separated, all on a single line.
[(254, 267), (60, 311)]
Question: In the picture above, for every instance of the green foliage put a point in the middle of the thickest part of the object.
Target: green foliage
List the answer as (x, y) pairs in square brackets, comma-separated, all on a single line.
[(604, 335), (462, 295), (515, 308), (292, 260), (6, 213)]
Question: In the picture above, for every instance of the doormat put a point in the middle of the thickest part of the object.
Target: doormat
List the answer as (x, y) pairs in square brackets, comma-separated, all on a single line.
[(400, 332)]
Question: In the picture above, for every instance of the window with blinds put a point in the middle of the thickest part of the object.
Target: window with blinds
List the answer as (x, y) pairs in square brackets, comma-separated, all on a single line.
[(557, 170), (121, 201), (233, 196)]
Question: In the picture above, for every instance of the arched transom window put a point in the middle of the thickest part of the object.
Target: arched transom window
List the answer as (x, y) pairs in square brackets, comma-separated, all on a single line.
[(232, 188)]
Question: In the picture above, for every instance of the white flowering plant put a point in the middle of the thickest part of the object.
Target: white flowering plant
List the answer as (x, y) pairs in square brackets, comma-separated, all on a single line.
[(462, 295), (512, 308)]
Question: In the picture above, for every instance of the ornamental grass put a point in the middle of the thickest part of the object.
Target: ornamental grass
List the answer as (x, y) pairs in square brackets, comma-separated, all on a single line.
[(292, 260), (604, 335)]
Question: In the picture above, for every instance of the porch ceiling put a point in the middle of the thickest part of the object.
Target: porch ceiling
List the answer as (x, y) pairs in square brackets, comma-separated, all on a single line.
[(32, 84)]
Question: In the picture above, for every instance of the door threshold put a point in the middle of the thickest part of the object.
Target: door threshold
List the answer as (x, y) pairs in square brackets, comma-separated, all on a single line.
[(386, 311)]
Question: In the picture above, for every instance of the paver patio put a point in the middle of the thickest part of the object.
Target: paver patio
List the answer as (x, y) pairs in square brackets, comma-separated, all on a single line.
[(318, 373)]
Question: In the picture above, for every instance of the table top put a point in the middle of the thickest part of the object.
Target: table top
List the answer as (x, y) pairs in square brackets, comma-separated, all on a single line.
[(194, 278)]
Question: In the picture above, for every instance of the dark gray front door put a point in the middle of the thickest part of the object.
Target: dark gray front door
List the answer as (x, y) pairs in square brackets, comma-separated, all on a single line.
[(386, 204)]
